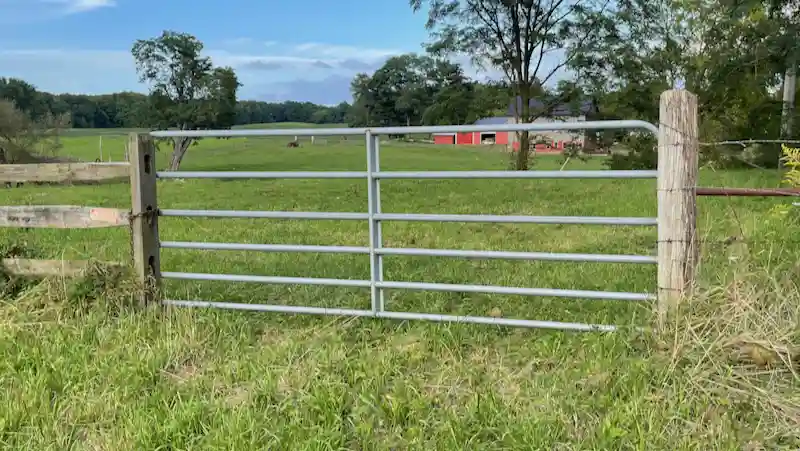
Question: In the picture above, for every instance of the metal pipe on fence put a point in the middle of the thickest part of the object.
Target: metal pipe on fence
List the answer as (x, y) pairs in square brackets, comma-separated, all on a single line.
[(264, 247), (458, 288), (260, 175), (411, 175), (510, 255), (542, 292), (748, 192), (267, 279), (540, 127), (598, 174), (507, 219), (319, 215), (404, 316), (412, 252), (514, 219), (377, 297)]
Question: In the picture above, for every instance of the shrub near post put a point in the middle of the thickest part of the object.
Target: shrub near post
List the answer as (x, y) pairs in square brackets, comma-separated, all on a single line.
[(144, 216), (678, 147)]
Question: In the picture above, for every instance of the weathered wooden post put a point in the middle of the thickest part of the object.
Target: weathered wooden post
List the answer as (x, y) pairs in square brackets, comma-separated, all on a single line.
[(144, 215), (678, 148)]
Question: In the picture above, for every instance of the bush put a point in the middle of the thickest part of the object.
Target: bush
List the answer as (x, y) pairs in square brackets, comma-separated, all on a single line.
[(640, 152), (23, 140)]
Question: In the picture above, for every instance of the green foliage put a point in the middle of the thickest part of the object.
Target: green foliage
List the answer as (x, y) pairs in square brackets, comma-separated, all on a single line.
[(791, 160), (730, 54), (186, 91), (415, 89), (637, 152), (25, 140)]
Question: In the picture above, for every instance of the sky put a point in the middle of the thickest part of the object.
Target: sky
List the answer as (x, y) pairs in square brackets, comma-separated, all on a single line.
[(303, 50)]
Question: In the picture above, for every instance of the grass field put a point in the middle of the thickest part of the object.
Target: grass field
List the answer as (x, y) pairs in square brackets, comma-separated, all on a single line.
[(81, 372)]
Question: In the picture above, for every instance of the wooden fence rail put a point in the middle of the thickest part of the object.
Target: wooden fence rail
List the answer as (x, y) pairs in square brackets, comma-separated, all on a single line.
[(59, 216), (64, 172)]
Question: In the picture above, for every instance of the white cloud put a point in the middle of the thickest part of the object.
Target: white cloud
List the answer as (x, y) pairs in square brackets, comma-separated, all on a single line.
[(70, 70), (78, 6), (344, 51), (15, 13), (235, 42)]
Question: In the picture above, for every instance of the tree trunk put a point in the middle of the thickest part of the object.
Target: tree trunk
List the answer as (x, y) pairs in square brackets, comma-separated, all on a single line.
[(181, 146), (789, 91), (524, 115), (521, 163)]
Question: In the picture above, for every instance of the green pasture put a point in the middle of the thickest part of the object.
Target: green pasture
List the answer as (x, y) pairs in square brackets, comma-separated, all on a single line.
[(197, 379)]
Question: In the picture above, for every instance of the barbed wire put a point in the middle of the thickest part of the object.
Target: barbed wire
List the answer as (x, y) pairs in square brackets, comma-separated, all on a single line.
[(746, 142)]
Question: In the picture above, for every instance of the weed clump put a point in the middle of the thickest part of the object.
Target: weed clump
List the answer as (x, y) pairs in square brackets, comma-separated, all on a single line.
[(737, 348)]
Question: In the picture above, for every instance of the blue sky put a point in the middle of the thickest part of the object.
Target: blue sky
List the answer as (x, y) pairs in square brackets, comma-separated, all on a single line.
[(305, 50)]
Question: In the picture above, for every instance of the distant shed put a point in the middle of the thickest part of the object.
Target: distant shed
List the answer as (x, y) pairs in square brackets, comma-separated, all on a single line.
[(555, 140)]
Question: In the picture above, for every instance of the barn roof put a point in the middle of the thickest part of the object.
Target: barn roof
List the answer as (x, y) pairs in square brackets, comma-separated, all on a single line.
[(584, 107), (492, 120)]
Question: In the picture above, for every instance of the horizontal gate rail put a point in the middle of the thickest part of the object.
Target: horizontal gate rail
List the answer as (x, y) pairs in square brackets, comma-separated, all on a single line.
[(514, 219), (597, 174), (412, 252), (458, 288), (260, 175), (277, 280), (264, 247), (415, 175), (405, 316), (257, 214), (492, 289), (540, 127), (513, 255), (506, 219)]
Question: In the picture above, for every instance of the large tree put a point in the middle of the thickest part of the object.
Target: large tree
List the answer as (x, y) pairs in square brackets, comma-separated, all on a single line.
[(419, 89), (731, 53), (186, 91), (529, 40)]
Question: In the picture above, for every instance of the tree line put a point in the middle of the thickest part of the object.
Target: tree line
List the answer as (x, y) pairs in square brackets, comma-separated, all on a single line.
[(131, 109)]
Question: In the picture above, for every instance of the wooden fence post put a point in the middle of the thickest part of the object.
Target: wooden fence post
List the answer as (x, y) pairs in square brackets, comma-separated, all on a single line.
[(144, 215), (678, 148)]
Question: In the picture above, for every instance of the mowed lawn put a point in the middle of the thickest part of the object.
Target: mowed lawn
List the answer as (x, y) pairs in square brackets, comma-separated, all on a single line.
[(80, 374)]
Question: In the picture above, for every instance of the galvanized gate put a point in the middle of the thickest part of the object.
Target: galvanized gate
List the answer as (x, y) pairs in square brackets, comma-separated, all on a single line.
[(375, 216)]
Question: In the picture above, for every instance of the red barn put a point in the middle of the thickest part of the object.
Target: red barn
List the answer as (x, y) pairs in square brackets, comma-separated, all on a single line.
[(555, 141), (475, 137)]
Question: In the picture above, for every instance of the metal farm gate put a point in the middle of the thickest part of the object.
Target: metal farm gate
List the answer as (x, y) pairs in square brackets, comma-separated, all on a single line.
[(376, 216)]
